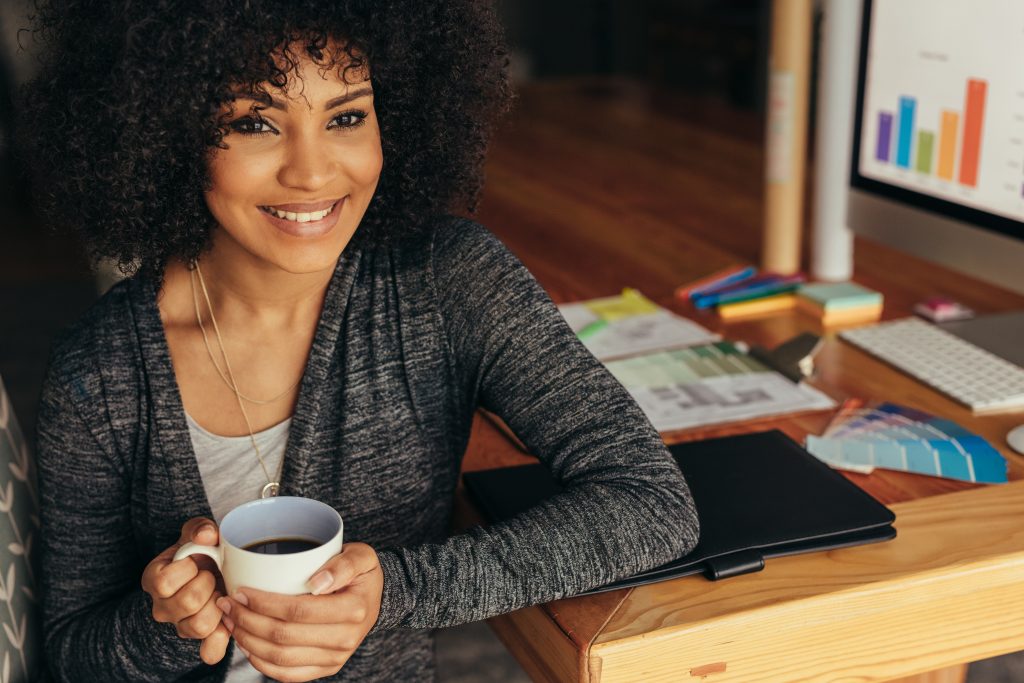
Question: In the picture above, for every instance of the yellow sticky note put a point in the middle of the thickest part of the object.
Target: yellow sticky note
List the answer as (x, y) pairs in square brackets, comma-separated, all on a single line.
[(629, 303)]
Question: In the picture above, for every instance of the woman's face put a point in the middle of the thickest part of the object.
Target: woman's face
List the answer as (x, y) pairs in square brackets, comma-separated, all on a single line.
[(296, 179)]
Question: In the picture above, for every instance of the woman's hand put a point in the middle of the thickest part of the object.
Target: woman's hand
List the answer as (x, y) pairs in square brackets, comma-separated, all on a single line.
[(184, 594), (303, 637)]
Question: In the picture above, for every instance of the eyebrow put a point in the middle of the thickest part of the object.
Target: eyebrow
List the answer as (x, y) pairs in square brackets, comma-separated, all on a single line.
[(331, 104)]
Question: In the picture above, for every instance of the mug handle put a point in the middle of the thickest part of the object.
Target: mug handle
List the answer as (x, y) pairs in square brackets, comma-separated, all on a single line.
[(212, 551)]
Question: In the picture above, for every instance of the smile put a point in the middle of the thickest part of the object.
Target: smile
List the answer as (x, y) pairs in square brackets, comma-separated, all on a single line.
[(300, 216)]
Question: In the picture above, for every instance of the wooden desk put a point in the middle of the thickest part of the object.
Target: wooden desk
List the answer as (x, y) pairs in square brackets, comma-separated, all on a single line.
[(599, 186)]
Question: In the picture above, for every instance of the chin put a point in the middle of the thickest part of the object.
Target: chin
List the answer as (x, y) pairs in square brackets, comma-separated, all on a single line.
[(312, 261), (313, 257)]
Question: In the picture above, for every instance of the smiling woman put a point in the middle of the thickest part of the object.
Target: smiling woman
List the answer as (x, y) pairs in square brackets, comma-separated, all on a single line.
[(298, 166), (308, 319)]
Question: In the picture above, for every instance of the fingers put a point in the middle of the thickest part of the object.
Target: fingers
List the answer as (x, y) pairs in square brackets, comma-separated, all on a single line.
[(288, 648), (163, 577), (204, 622), (315, 612), (291, 674), (189, 600), (294, 651), (295, 609), (163, 581), (215, 645), (342, 569), (199, 530), (289, 656)]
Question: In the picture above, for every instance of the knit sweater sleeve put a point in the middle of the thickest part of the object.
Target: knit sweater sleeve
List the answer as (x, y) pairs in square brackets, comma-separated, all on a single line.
[(97, 621), (625, 506)]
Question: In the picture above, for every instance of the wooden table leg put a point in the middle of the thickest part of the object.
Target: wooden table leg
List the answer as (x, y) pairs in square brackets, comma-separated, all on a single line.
[(954, 674)]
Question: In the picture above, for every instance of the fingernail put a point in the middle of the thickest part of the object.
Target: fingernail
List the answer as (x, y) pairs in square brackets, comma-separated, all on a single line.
[(244, 651), (321, 582), (227, 622), (225, 605), (240, 598), (201, 529)]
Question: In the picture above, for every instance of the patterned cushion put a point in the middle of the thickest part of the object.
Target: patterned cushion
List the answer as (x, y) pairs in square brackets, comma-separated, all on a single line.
[(20, 644)]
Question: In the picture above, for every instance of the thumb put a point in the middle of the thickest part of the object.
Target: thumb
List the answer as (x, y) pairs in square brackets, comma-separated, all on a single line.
[(341, 570), (199, 530)]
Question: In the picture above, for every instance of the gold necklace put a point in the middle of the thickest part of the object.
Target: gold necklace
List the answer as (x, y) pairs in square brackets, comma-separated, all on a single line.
[(273, 486), (209, 350)]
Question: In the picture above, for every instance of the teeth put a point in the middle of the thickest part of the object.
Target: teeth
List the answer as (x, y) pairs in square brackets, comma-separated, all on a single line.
[(299, 217)]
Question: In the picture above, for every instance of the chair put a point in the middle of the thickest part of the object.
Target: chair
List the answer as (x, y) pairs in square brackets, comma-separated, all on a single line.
[(21, 643)]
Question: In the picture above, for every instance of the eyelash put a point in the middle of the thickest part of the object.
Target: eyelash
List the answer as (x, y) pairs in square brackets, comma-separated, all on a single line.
[(240, 125)]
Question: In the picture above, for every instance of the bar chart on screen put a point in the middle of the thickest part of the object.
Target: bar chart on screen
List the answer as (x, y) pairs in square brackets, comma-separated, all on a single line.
[(955, 129)]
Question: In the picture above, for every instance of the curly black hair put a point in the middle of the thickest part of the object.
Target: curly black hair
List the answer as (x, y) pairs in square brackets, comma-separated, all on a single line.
[(119, 124)]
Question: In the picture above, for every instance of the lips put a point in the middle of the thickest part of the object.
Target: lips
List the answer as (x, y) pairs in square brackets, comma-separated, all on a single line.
[(305, 207), (311, 219)]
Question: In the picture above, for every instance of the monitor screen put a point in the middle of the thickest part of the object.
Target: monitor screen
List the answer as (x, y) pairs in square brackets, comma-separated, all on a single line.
[(939, 120)]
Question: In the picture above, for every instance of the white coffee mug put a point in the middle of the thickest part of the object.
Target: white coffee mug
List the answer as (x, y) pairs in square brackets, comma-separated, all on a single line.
[(264, 520)]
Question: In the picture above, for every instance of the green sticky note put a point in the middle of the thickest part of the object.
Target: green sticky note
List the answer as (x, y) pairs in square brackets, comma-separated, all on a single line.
[(832, 296)]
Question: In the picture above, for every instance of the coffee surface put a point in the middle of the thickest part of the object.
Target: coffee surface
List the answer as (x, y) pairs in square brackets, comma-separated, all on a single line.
[(281, 546)]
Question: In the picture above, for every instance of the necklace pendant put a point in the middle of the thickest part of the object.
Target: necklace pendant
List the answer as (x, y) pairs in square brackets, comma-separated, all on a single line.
[(270, 490)]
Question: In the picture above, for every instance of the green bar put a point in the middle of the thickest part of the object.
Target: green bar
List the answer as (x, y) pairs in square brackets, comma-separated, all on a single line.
[(704, 351), (591, 329), (925, 144), (754, 364), (726, 347)]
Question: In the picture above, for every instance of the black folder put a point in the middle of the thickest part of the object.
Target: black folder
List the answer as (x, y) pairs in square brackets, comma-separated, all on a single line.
[(757, 495)]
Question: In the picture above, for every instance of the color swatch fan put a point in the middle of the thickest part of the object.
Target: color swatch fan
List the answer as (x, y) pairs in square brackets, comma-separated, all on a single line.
[(899, 438)]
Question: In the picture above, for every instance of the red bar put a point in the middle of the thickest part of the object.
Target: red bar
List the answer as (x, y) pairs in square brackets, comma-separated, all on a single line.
[(974, 116)]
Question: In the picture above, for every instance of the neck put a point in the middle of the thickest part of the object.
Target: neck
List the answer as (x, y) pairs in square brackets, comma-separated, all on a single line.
[(261, 295)]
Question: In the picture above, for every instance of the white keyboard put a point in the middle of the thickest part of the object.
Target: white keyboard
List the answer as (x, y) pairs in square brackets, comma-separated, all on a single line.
[(966, 373)]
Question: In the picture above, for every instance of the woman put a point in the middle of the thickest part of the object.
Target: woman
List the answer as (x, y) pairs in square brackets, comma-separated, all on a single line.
[(306, 317)]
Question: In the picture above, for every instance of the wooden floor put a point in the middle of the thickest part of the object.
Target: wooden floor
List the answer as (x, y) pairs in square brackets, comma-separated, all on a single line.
[(45, 285)]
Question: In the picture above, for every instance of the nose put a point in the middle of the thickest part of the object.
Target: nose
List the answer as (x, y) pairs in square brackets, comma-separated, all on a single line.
[(306, 166)]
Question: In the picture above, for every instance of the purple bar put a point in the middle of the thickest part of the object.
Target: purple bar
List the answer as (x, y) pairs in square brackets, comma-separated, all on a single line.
[(884, 136)]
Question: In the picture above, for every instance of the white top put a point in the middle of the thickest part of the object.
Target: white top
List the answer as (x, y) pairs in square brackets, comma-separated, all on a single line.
[(231, 476)]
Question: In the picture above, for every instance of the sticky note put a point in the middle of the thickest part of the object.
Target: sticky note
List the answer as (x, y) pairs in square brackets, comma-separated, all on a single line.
[(629, 303)]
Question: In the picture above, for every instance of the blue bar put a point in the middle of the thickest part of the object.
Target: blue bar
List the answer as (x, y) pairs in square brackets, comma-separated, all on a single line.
[(921, 459), (888, 454), (908, 105), (858, 453), (952, 461)]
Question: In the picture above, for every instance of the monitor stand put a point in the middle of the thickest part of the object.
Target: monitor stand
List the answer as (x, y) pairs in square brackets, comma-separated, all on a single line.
[(999, 333)]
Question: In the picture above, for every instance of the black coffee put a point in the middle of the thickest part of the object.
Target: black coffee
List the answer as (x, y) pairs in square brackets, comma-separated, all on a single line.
[(281, 546)]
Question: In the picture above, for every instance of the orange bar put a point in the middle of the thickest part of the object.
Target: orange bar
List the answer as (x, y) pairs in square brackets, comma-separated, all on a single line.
[(947, 144), (974, 116)]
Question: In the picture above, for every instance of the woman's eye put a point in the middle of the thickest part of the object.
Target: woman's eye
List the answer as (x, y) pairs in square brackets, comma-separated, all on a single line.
[(349, 119), (250, 125)]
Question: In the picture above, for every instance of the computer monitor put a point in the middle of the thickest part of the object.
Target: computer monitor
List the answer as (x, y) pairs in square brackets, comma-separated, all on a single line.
[(938, 143), (937, 163)]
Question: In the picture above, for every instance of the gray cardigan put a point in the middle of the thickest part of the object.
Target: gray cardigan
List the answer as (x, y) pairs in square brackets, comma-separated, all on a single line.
[(412, 338)]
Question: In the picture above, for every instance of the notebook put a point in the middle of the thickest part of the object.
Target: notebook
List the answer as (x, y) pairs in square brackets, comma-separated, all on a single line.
[(758, 496)]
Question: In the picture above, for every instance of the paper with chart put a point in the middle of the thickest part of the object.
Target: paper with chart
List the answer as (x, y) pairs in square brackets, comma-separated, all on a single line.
[(896, 437), (710, 384), (629, 324)]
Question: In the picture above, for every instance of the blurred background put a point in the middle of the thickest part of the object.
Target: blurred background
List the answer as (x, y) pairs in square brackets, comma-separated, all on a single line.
[(698, 59)]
